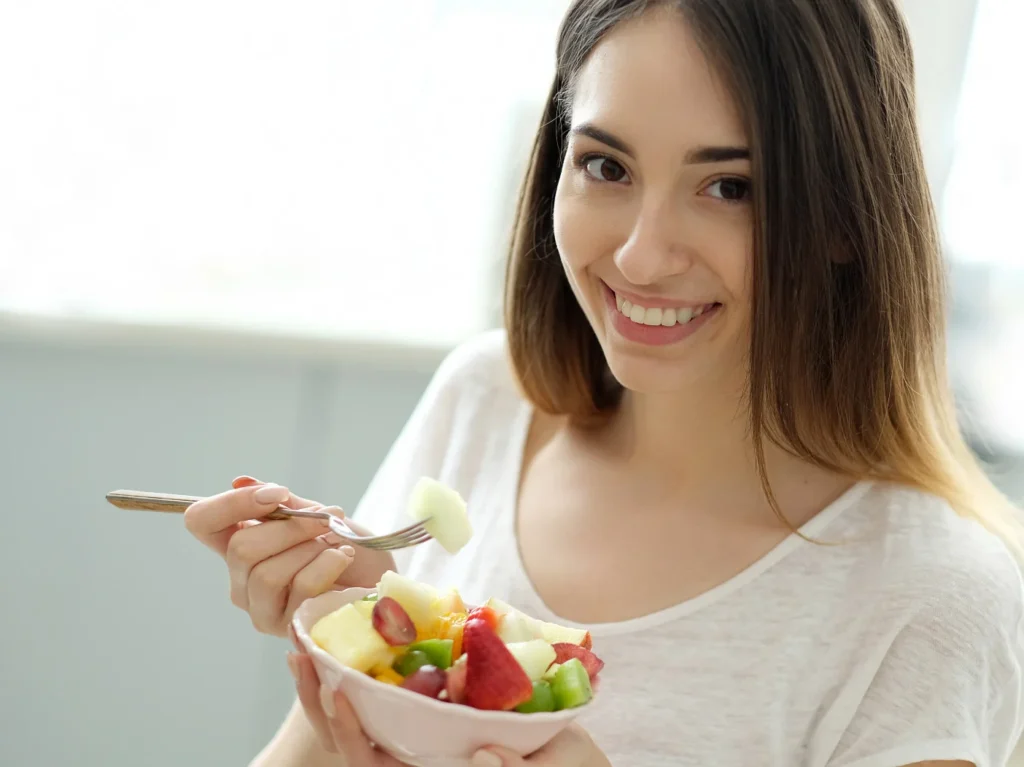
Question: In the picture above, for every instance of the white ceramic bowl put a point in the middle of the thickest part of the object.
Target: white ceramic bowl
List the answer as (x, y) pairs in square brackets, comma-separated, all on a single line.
[(416, 729)]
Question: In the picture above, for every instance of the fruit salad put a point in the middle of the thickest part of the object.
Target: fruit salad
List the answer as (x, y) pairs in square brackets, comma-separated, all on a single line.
[(492, 657)]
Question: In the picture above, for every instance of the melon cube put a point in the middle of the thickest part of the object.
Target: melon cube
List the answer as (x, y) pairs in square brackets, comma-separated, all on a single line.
[(534, 656), (448, 522)]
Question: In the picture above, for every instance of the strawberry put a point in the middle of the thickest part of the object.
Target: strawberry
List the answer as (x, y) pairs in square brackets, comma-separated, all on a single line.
[(494, 679), (393, 622), (565, 651), (487, 615)]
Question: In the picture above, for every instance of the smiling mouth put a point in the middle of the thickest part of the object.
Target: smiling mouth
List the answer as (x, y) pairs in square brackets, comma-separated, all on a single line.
[(658, 316)]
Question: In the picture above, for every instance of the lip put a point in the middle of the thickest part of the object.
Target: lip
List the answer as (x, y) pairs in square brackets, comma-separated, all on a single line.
[(654, 335), (652, 302)]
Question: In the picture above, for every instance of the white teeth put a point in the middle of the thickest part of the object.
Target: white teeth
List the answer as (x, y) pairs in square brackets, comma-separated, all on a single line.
[(658, 316), (652, 317)]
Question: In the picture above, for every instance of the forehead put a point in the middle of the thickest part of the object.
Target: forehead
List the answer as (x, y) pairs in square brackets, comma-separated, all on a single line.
[(649, 79)]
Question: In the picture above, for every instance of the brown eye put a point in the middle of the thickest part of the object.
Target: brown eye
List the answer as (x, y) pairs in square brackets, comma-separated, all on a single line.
[(730, 189), (604, 169)]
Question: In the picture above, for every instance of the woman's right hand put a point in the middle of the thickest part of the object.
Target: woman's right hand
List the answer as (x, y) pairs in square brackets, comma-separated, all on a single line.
[(275, 565)]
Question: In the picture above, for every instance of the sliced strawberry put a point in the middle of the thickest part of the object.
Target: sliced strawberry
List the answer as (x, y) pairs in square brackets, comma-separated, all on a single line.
[(457, 683), (587, 642), (566, 650), (487, 615), (393, 622), (494, 679)]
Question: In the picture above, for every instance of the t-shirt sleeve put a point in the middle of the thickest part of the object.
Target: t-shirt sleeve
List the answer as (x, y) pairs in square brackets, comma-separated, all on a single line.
[(425, 443), (946, 684)]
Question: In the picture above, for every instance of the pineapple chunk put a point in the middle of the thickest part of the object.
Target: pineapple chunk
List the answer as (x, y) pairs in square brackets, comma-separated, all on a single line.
[(389, 676), (365, 608), (534, 656), (447, 511), (385, 663), (349, 636), (420, 600), (450, 602)]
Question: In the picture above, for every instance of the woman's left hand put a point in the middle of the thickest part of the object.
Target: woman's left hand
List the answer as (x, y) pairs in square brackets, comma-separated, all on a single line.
[(572, 747)]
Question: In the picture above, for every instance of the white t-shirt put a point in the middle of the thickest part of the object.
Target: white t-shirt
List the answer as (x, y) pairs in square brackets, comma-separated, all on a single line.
[(904, 644)]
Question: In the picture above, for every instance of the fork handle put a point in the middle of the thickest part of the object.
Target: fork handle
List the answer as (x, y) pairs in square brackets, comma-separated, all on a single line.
[(140, 500)]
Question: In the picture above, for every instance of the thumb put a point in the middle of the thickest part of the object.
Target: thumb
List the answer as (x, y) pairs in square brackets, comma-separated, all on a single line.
[(493, 756)]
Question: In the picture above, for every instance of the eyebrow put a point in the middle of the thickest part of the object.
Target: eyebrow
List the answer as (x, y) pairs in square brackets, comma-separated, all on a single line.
[(700, 156)]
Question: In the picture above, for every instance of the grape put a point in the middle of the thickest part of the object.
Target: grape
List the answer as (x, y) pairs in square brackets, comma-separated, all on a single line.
[(428, 680)]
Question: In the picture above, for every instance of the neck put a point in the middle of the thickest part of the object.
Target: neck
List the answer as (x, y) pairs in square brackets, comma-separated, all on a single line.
[(696, 448)]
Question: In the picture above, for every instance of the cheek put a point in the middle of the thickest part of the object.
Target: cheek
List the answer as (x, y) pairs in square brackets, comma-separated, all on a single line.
[(579, 234), (736, 263)]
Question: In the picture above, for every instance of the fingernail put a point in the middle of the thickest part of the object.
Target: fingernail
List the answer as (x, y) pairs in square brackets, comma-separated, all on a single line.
[(327, 701), (293, 665), (486, 759), (348, 550), (333, 539), (271, 494)]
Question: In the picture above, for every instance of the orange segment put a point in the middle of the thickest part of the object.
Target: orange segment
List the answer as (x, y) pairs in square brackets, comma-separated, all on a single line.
[(451, 628)]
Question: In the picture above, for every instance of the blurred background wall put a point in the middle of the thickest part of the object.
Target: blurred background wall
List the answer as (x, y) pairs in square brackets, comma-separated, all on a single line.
[(238, 237)]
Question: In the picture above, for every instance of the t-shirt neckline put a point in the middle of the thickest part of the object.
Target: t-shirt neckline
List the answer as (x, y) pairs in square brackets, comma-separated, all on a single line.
[(510, 510)]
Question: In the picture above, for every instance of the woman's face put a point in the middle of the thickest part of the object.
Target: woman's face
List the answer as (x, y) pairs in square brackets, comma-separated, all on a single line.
[(652, 214)]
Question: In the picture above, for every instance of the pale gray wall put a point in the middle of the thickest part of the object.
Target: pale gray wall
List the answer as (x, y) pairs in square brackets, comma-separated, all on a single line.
[(118, 644)]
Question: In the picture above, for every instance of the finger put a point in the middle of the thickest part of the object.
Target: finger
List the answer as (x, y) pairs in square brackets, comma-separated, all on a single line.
[(215, 519), (347, 734), (307, 686), (261, 542), (318, 576), (295, 639), (570, 748), (248, 547), (269, 583)]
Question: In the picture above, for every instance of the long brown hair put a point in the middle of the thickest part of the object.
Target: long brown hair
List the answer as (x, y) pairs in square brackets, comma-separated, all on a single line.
[(847, 350)]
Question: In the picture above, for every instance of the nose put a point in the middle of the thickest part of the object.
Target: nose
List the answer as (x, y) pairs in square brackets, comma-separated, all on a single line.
[(656, 246)]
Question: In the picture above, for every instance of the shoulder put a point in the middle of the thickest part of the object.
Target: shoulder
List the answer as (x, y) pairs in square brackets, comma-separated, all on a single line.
[(480, 364), (944, 574), (933, 641)]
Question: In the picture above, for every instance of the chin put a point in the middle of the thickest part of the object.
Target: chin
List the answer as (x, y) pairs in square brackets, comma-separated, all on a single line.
[(645, 372)]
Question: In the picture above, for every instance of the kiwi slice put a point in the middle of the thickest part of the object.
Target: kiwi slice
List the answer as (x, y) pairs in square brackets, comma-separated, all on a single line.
[(571, 686), (438, 651), (543, 699), (411, 662)]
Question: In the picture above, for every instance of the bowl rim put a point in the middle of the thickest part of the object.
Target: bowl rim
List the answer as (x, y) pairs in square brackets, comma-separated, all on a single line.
[(370, 684)]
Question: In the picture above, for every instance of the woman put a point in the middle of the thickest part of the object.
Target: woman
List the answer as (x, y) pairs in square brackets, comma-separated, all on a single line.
[(716, 430)]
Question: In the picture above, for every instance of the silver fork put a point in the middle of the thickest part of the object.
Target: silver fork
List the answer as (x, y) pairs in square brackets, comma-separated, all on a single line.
[(138, 500)]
